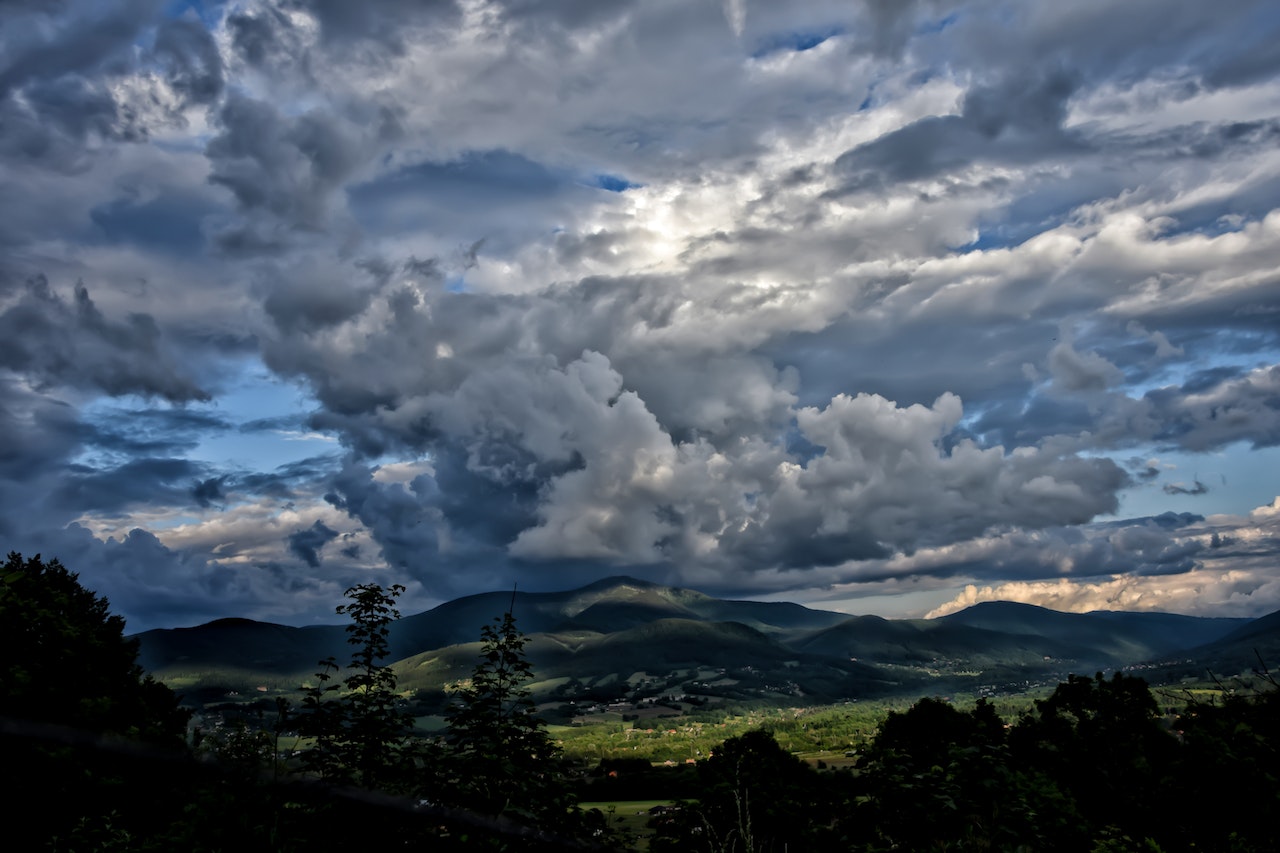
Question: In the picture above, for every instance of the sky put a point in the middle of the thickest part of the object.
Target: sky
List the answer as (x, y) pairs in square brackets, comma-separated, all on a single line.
[(882, 307)]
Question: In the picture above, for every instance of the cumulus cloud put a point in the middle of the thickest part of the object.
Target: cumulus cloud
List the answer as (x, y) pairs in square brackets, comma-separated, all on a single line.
[(56, 342), (1197, 488), (306, 544), (1184, 564), (762, 298)]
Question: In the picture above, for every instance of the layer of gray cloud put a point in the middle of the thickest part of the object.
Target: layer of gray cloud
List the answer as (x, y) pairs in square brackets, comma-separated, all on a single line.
[(740, 296)]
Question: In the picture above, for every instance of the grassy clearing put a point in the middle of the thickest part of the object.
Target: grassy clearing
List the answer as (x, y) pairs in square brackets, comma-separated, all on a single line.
[(630, 815)]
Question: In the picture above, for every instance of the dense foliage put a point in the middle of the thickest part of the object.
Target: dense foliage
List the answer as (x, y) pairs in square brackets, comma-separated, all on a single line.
[(498, 758), (755, 796), (1093, 767), (68, 662), (359, 729)]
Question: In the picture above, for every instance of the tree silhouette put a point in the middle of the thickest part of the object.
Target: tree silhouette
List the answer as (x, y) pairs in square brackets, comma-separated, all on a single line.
[(756, 798), (68, 661), (936, 772), (359, 732), (499, 758), (1101, 740)]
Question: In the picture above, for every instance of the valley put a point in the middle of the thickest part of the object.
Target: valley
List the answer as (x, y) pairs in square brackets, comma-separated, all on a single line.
[(624, 665)]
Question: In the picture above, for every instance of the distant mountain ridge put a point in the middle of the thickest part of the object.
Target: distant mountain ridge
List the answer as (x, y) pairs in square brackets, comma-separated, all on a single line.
[(627, 630)]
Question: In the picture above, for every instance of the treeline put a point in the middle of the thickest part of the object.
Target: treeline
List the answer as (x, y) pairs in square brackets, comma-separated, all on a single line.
[(98, 757), (1093, 768), (97, 754)]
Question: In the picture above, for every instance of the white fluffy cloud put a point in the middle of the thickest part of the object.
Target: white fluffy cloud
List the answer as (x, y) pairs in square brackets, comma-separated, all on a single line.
[(817, 297)]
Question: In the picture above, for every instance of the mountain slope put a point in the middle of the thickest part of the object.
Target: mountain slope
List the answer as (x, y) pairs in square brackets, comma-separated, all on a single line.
[(241, 644), (623, 637), (919, 642), (1252, 645), (605, 606), (1097, 638)]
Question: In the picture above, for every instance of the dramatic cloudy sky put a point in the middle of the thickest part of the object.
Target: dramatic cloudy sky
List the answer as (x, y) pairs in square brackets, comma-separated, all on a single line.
[(888, 306)]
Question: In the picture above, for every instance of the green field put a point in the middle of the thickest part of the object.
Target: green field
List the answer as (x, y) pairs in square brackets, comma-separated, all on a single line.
[(824, 733), (631, 816)]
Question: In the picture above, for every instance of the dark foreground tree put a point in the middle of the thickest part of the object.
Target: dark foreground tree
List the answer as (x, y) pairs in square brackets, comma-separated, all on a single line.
[(1103, 744), (68, 662), (359, 729), (74, 707), (756, 798), (499, 759), (935, 775), (1229, 764)]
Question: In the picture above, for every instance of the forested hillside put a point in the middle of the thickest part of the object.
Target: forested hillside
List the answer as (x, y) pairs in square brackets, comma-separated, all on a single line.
[(104, 753)]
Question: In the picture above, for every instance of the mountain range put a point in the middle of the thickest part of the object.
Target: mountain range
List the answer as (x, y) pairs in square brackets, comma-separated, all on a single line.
[(623, 638)]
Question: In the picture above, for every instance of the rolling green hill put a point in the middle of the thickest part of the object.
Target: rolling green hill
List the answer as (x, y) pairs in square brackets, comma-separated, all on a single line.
[(624, 638), (1099, 638), (1251, 646)]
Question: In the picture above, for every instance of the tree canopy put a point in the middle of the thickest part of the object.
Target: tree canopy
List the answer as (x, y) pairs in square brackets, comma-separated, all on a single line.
[(499, 758), (360, 732), (69, 661)]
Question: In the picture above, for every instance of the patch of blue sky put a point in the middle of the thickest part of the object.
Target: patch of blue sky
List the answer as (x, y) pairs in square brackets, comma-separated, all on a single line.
[(1023, 219), (801, 448), (265, 421), (456, 284), (166, 223), (794, 41), (1236, 480), (1178, 373), (1224, 215), (208, 11), (999, 237), (937, 26), (428, 195), (612, 183), (256, 397)]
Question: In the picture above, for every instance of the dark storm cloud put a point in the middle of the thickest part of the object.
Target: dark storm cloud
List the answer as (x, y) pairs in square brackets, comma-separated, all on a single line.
[(1198, 488), (38, 433), (254, 37), (286, 481), (1212, 409), (169, 223), (62, 66), (1166, 521), (46, 41), (1246, 408), (288, 167), (1134, 547), (56, 342), (758, 296), (151, 432), (51, 124), (1013, 121), (209, 492), (479, 192), (191, 58), (133, 484), (382, 21), (403, 521), (312, 296), (306, 544), (144, 579)]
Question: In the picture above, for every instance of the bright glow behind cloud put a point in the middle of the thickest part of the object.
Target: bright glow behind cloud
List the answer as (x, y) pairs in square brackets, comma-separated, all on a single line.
[(817, 299)]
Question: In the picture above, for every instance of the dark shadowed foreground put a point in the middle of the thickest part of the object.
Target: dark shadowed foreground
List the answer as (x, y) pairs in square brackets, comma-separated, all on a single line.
[(97, 757)]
